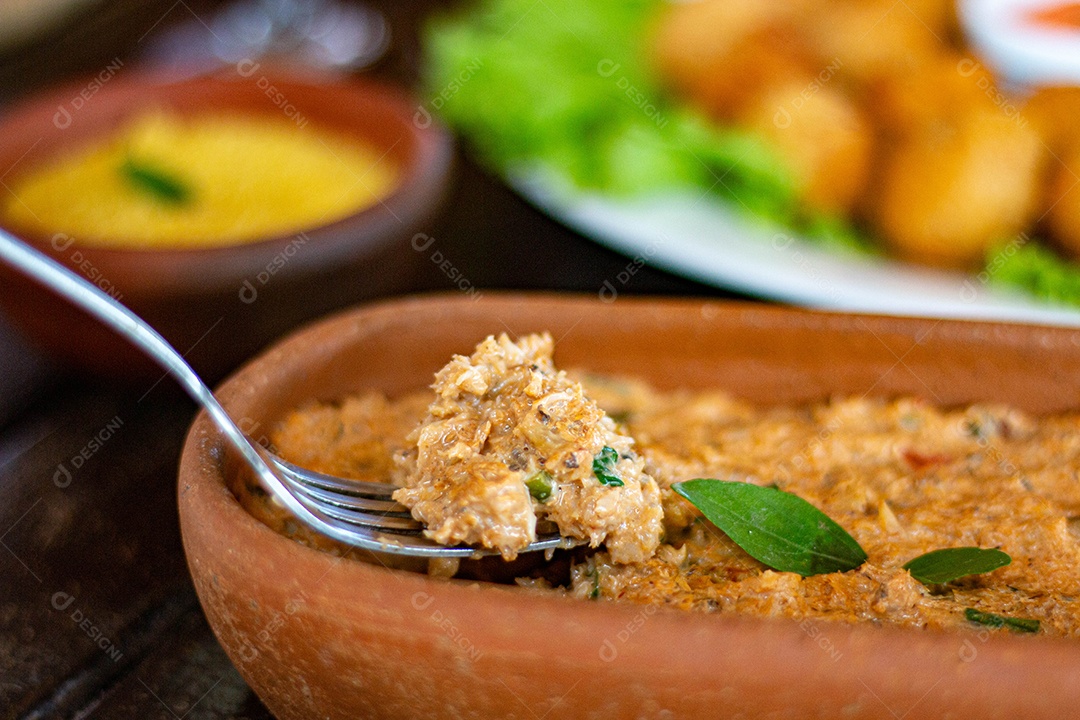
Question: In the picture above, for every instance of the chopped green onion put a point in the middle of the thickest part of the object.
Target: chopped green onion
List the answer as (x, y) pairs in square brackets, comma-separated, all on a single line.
[(603, 467), (156, 182), (1028, 625), (540, 485)]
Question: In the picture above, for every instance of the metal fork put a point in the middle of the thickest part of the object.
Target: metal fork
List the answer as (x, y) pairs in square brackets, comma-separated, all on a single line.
[(361, 514)]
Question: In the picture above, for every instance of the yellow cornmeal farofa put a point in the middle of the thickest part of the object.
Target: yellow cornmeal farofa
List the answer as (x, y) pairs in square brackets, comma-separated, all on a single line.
[(246, 178)]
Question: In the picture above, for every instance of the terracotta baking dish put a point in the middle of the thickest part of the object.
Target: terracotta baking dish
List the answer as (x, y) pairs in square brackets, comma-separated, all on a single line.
[(321, 637)]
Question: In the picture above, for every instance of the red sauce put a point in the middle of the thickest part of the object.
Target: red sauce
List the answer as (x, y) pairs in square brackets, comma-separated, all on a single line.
[(1057, 16), (920, 461)]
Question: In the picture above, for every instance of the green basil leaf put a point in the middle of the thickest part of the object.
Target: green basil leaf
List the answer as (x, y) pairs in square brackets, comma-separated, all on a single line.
[(155, 182), (775, 527), (603, 467), (1029, 625), (942, 566)]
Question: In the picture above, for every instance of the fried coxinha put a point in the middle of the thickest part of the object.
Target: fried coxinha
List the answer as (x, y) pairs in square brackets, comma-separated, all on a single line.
[(890, 511)]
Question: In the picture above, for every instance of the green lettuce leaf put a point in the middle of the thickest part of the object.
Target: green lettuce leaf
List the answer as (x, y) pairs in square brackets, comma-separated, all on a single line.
[(568, 84), (1037, 270)]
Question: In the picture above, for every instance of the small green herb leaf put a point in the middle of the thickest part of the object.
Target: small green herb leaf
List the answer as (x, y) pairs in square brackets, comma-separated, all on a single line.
[(775, 527), (603, 467), (994, 620), (942, 566), (156, 182), (540, 485)]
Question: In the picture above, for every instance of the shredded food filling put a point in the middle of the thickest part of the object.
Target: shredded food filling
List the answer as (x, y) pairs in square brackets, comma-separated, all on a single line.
[(509, 442)]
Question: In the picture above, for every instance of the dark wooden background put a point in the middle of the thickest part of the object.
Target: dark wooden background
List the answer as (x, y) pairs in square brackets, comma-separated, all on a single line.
[(98, 618)]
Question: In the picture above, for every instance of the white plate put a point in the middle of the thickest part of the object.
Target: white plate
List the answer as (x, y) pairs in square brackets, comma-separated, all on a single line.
[(701, 239), (1022, 52)]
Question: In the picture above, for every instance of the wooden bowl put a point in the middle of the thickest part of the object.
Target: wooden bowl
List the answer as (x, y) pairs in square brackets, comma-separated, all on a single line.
[(317, 636), (224, 303)]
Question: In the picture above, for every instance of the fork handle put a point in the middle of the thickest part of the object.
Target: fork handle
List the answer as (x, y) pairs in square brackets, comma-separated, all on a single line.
[(107, 309)]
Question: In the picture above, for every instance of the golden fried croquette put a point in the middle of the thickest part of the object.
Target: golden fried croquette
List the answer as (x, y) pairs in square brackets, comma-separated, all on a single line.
[(939, 17), (1062, 200), (1055, 114), (715, 53), (879, 115), (952, 189), (943, 89), (871, 39), (822, 135)]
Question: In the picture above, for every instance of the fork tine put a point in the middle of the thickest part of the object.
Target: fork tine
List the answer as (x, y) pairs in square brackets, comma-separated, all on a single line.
[(400, 536), (365, 515), (353, 502), (312, 478), (387, 508), (375, 522)]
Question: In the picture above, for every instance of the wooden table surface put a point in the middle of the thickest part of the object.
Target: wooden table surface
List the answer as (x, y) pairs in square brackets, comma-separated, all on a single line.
[(98, 618)]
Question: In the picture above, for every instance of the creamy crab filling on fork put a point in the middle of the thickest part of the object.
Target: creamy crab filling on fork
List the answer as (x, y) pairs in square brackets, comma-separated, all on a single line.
[(510, 442)]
